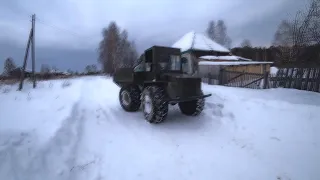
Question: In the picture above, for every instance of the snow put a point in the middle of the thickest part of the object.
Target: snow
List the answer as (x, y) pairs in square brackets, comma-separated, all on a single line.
[(76, 129), (198, 41), (232, 58), (244, 59), (213, 63), (274, 70)]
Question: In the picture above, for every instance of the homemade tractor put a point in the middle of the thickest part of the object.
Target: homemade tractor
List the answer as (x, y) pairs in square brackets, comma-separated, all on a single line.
[(157, 81)]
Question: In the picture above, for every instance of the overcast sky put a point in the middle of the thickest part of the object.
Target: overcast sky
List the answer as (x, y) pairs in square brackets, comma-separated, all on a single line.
[(68, 31)]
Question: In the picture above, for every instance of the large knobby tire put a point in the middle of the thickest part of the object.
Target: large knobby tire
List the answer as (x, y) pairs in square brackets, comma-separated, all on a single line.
[(154, 104), (192, 108), (129, 98)]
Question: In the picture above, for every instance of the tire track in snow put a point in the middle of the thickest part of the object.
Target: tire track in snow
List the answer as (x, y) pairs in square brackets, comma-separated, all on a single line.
[(88, 160), (13, 148), (23, 158), (59, 155)]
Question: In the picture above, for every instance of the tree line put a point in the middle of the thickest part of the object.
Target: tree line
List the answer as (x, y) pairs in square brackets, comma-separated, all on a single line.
[(295, 40), (10, 66)]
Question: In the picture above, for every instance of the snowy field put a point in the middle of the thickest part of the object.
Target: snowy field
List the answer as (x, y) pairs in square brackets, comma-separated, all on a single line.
[(78, 131)]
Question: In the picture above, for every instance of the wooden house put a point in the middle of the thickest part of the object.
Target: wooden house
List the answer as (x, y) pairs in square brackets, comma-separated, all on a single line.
[(194, 45), (205, 56)]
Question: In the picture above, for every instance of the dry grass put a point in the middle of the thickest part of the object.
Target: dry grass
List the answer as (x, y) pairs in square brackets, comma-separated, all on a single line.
[(9, 81)]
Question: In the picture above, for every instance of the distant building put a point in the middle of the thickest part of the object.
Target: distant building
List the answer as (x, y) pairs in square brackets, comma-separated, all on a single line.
[(206, 57), (16, 73), (197, 47)]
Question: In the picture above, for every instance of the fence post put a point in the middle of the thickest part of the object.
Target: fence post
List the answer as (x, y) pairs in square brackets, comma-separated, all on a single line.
[(221, 76), (265, 78), (299, 78), (317, 78), (209, 78), (306, 82)]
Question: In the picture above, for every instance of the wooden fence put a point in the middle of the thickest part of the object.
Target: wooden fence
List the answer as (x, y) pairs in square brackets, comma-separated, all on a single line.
[(243, 79), (297, 78)]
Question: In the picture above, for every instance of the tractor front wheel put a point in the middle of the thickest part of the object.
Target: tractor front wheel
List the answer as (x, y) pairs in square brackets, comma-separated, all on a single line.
[(129, 98), (154, 104)]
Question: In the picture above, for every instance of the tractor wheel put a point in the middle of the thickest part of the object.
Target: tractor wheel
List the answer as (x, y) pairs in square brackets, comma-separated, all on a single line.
[(129, 98), (192, 108), (154, 104)]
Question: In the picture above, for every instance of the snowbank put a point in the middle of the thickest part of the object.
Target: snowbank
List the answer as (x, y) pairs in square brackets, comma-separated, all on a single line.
[(232, 58), (81, 132), (215, 63), (274, 70), (228, 58)]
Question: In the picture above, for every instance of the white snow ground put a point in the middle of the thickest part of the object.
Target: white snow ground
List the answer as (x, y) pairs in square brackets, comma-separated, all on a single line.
[(80, 132)]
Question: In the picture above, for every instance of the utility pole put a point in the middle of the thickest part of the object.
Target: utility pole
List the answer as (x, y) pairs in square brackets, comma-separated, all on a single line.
[(30, 41), (33, 51)]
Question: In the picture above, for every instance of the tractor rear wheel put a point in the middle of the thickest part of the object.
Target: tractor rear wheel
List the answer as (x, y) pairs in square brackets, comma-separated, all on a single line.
[(192, 108)]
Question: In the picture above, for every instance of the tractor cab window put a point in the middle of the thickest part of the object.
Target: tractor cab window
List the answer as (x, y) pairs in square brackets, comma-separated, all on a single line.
[(140, 67), (175, 63), (184, 62)]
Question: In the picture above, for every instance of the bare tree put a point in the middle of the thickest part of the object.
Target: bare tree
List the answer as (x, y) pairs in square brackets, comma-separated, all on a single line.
[(123, 49), (211, 33), (70, 71), (9, 65), (127, 50), (45, 68), (221, 36), (283, 34), (228, 42), (54, 69), (133, 54), (94, 68), (115, 50), (292, 37), (90, 69), (246, 43), (108, 48)]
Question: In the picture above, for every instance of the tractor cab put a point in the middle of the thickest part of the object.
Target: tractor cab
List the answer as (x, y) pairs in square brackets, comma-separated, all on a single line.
[(161, 59)]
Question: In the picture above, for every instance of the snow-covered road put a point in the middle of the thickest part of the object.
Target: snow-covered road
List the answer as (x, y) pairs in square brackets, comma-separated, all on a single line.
[(80, 132)]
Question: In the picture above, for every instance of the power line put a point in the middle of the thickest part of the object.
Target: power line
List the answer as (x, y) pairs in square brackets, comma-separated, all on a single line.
[(57, 28), (65, 30), (27, 15), (23, 13)]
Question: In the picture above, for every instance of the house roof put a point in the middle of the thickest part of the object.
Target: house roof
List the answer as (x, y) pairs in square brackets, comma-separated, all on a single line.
[(198, 41)]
